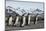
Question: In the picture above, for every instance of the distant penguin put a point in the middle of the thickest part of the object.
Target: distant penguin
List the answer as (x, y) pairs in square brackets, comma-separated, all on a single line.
[(10, 20), (14, 20), (35, 19), (24, 20), (21, 21), (29, 19), (17, 19)]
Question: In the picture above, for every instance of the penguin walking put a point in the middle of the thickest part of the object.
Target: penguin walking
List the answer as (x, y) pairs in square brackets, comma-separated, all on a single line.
[(10, 20), (16, 21), (35, 19), (26, 20), (29, 19), (23, 20)]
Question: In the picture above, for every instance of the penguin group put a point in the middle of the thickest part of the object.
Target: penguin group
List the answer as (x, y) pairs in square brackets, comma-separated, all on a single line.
[(24, 20)]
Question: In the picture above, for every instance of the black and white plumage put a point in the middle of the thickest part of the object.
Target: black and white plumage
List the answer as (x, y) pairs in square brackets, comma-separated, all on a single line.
[(16, 21), (10, 20), (29, 19), (24, 20)]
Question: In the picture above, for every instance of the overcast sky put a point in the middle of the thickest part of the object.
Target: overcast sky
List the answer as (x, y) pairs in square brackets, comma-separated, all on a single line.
[(25, 5)]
